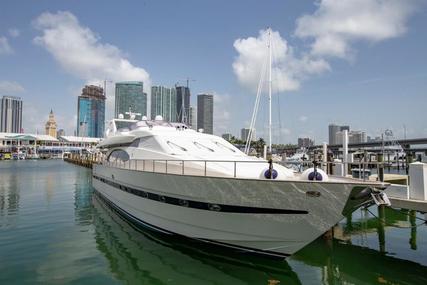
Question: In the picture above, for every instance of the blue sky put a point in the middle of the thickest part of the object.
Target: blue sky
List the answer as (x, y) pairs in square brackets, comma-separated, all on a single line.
[(356, 62)]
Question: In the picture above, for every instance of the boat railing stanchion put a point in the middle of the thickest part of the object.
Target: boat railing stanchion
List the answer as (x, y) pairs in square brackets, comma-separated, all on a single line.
[(205, 167), (364, 169), (143, 165), (378, 171), (182, 167), (154, 165), (166, 166), (235, 162)]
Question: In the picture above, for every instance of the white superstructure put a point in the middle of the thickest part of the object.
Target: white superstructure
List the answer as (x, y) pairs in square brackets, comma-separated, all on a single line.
[(179, 181)]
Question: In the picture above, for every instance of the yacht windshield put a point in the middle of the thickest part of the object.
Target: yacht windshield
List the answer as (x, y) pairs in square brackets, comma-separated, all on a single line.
[(123, 125)]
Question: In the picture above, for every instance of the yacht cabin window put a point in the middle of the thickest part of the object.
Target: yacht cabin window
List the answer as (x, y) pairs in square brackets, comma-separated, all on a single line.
[(135, 143), (175, 146), (224, 146), (200, 146), (118, 155)]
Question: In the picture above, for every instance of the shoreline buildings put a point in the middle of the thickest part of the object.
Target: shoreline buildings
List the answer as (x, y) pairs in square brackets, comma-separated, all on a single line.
[(244, 133), (305, 142), (193, 118), (130, 98), (163, 103), (183, 104), (227, 136), (353, 137), (51, 125), (205, 113), (91, 112), (11, 114), (333, 130)]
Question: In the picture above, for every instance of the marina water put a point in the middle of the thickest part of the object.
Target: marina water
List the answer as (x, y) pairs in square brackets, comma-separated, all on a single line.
[(55, 230)]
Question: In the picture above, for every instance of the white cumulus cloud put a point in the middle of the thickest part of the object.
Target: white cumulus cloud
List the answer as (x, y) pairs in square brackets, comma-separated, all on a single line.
[(80, 51), (10, 87), (288, 69), (337, 23), (14, 32), (5, 47)]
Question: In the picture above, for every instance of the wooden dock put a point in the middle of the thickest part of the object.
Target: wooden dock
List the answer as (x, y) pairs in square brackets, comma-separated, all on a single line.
[(409, 204), (86, 161)]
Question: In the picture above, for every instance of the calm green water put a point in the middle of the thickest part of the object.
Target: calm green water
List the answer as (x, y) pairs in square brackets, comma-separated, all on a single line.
[(53, 230)]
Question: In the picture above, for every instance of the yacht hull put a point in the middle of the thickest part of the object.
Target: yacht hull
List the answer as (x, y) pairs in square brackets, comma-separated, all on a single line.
[(272, 217)]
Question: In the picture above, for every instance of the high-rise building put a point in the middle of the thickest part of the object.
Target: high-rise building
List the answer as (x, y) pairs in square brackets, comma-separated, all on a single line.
[(130, 97), (163, 102), (227, 137), (11, 114), (205, 113), (353, 137), (50, 125), (193, 118), (305, 142), (244, 133), (183, 104), (333, 130), (91, 112)]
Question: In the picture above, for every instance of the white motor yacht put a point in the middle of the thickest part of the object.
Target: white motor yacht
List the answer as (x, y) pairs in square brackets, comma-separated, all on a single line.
[(175, 180)]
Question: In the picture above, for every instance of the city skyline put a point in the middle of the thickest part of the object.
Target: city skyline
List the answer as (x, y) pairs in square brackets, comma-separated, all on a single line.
[(370, 71)]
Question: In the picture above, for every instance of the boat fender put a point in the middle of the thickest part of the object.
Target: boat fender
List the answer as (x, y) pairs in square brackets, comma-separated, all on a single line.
[(313, 174), (269, 173)]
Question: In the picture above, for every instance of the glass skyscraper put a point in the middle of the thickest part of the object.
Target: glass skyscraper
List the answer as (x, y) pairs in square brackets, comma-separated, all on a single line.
[(163, 102), (130, 96), (205, 113), (183, 104), (11, 114), (91, 112)]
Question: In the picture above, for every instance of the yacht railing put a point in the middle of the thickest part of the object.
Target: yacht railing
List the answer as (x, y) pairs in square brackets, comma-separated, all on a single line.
[(185, 167), (360, 170)]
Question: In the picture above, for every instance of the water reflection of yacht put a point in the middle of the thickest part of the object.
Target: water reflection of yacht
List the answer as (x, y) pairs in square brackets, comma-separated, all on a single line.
[(179, 181), (344, 263), (139, 256)]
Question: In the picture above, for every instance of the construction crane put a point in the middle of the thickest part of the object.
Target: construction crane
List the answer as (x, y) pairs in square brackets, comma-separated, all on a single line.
[(182, 112)]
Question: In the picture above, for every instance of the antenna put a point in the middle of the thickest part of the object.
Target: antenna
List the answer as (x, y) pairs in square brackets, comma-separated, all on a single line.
[(269, 90), (132, 115)]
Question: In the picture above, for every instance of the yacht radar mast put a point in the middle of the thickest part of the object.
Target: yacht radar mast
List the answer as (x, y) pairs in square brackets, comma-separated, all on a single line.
[(269, 90), (132, 115)]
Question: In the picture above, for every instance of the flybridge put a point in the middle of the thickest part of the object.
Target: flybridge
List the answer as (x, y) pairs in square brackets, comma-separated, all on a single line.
[(125, 125)]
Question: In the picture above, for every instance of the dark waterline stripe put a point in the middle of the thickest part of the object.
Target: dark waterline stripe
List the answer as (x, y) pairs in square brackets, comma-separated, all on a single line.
[(197, 204), (140, 223)]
